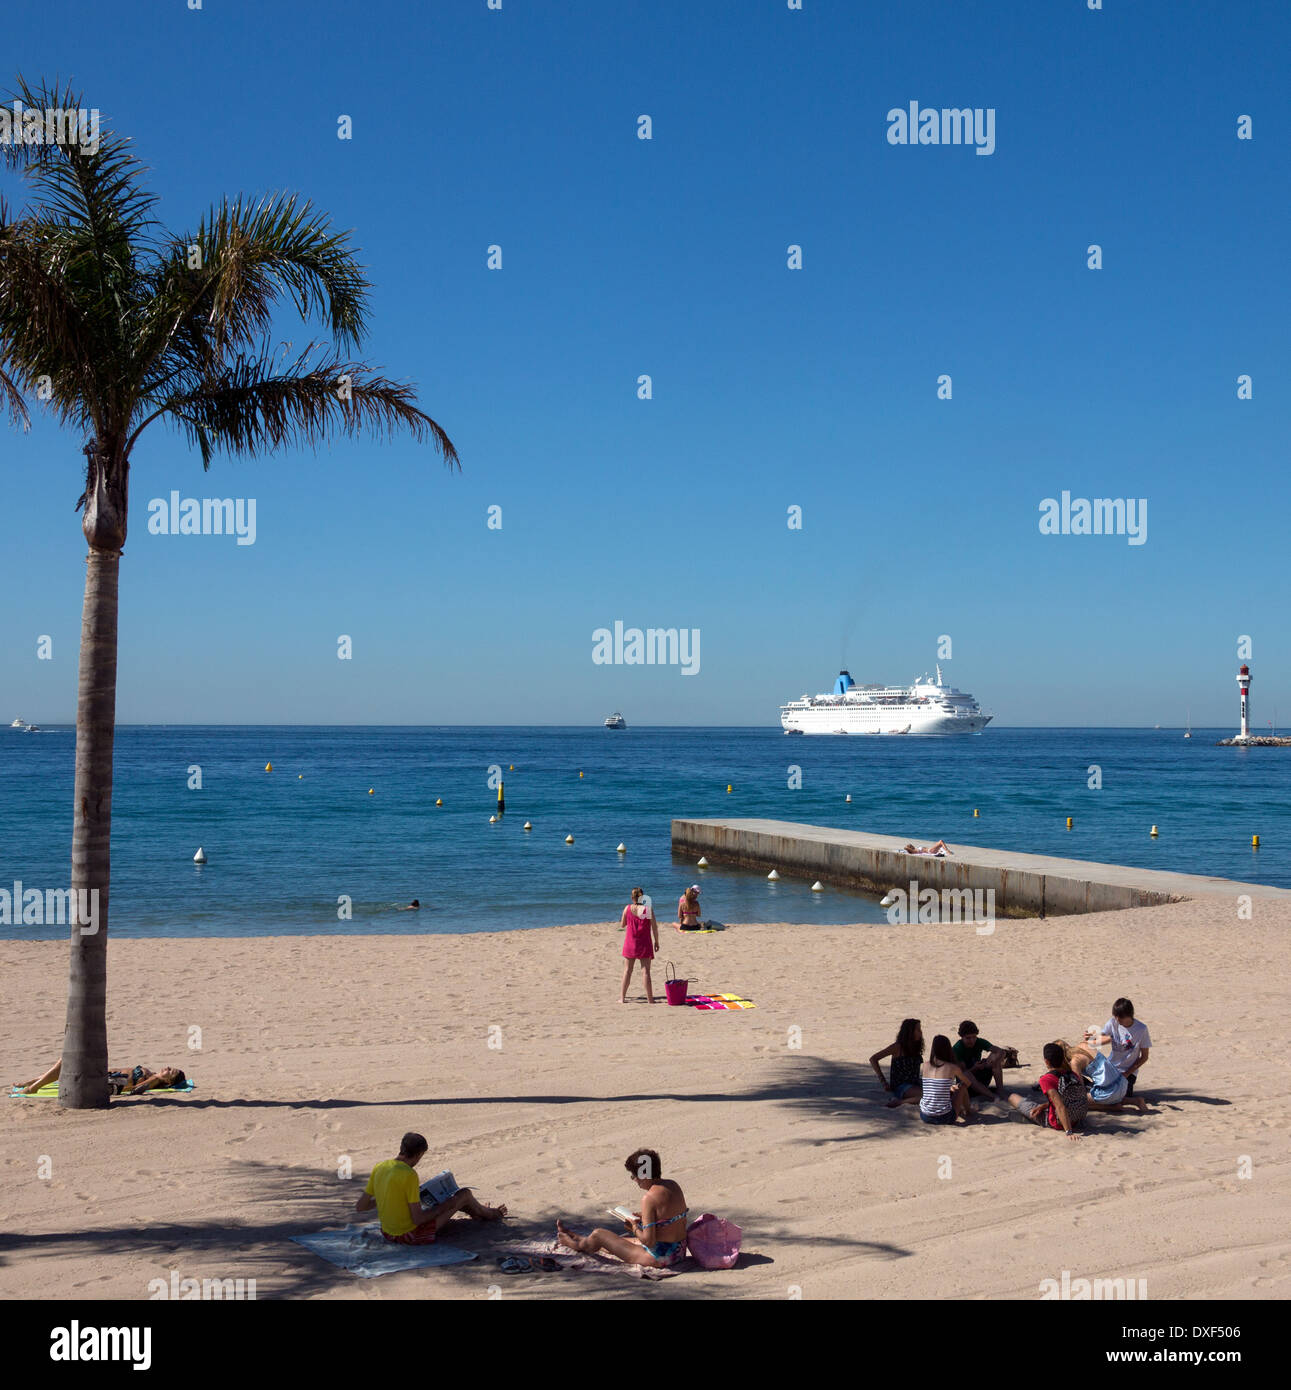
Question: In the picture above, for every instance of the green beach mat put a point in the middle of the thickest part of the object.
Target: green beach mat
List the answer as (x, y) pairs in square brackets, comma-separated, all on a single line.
[(51, 1092)]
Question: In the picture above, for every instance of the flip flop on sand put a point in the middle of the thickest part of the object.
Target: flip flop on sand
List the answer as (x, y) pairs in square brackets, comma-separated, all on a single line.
[(546, 1264), (515, 1264)]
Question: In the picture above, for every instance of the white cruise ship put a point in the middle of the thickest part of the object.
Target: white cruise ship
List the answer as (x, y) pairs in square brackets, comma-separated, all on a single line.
[(923, 707)]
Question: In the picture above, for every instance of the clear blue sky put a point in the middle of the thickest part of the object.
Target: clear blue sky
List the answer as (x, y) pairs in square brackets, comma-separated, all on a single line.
[(772, 387)]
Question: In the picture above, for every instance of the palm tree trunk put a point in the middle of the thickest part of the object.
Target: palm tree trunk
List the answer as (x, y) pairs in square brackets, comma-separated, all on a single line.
[(83, 1083)]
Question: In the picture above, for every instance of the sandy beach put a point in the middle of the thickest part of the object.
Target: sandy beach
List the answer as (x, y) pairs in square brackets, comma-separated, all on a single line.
[(320, 1051)]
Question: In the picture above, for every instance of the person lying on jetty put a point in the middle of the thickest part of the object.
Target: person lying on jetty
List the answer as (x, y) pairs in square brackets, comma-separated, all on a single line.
[(1065, 1100), (944, 1099), (121, 1083), (394, 1190), (940, 848), (1108, 1089), (907, 1059), (657, 1234)]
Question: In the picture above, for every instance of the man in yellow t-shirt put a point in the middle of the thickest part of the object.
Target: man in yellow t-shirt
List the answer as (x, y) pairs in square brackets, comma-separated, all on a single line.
[(394, 1190)]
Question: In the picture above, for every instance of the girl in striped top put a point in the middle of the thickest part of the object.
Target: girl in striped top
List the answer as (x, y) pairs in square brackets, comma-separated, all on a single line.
[(945, 1086)]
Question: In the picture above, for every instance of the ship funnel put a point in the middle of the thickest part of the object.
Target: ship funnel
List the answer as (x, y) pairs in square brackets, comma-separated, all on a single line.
[(843, 684)]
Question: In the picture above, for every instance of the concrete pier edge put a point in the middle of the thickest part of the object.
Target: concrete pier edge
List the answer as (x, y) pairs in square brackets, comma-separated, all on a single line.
[(1025, 885)]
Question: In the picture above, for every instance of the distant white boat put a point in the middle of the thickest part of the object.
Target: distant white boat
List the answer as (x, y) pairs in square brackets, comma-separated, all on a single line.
[(18, 724), (1187, 733), (616, 721)]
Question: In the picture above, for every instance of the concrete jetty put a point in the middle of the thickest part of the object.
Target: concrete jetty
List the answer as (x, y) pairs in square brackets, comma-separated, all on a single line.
[(1025, 885)]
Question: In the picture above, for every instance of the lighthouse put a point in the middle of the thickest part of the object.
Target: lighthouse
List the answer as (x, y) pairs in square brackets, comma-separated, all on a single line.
[(1244, 685)]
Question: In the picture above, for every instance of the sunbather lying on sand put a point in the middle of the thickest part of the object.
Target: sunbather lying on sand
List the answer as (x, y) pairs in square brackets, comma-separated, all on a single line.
[(129, 1083)]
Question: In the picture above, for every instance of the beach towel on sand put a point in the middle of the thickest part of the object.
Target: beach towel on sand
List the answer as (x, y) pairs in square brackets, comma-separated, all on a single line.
[(51, 1091), (364, 1251), (719, 1001)]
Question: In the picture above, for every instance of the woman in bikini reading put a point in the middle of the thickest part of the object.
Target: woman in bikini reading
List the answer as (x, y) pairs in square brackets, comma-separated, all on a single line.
[(658, 1236)]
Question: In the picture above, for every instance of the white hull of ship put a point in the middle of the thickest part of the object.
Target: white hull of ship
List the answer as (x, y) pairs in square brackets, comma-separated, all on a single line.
[(836, 720)]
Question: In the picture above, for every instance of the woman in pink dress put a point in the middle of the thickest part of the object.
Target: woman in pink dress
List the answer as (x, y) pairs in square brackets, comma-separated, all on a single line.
[(640, 941)]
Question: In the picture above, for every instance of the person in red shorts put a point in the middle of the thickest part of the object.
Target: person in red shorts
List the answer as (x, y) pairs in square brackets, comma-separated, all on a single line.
[(1064, 1093), (393, 1189)]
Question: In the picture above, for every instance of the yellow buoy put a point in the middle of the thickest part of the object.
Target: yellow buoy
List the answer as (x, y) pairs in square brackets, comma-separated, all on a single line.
[(974, 810), (268, 767), (1069, 822), (1255, 842), (300, 777), (511, 767), (728, 789), (439, 801), (580, 774), (1153, 832), (370, 791), (569, 839)]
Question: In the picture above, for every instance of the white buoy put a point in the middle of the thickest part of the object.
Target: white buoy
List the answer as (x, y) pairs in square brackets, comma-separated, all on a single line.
[(200, 856), (818, 887), (623, 849), (703, 863), (526, 826), (849, 796), (773, 875), (492, 819), (1153, 832), (887, 900), (569, 839)]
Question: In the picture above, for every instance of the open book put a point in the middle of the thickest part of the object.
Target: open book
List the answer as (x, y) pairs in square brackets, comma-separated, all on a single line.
[(621, 1212), (439, 1189)]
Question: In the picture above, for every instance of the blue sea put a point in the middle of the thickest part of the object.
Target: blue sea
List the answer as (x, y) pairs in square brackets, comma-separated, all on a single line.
[(284, 847)]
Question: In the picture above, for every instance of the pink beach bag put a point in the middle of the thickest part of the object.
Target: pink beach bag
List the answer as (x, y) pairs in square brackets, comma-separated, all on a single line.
[(674, 988), (714, 1243)]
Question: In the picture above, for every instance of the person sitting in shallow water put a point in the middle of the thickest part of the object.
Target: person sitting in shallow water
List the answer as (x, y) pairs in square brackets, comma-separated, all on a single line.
[(413, 906), (129, 1083), (657, 1236)]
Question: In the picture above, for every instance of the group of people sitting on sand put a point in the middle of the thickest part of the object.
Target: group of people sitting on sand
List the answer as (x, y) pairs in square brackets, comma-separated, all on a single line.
[(655, 1236), (1079, 1078)]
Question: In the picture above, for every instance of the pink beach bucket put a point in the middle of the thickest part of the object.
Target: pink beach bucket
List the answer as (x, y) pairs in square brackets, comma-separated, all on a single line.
[(714, 1243), (674, 988)]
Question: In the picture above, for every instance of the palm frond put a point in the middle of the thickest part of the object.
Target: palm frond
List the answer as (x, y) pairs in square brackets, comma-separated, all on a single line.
[(11, 401), (258, 404)]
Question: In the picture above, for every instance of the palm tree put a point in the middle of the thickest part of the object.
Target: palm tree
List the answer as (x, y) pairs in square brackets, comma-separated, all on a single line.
[(116, 325)]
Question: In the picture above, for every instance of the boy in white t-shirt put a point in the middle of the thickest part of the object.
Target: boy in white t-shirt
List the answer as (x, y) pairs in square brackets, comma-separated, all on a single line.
[(1130, 1040)]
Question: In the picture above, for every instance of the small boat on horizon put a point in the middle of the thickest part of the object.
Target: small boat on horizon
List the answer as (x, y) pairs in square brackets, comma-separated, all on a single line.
[(1187, 731), (18, 724), (616, 721)]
